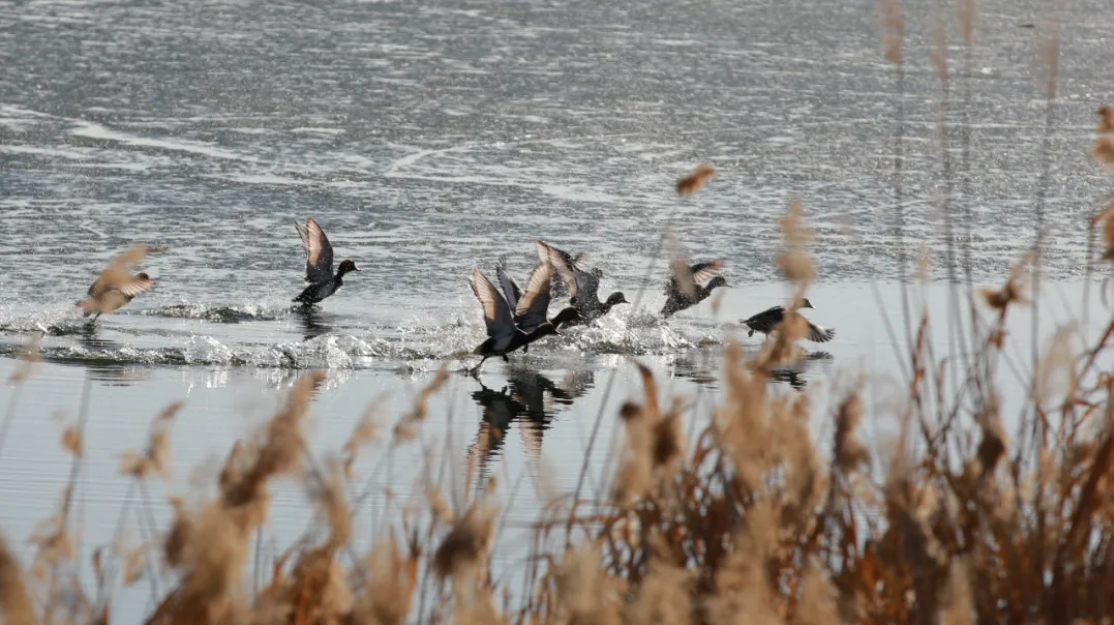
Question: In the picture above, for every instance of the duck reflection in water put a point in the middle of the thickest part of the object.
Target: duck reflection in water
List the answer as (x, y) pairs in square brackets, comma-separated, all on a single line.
[(528, 398), (793, 373), (702, 367)]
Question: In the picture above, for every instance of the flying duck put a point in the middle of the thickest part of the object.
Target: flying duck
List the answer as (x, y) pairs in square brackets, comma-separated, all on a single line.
[(504, 336), (691, 284), (768, 320), (319, 264), (583, 285), (115, 286), (558, 288), (530, 307)]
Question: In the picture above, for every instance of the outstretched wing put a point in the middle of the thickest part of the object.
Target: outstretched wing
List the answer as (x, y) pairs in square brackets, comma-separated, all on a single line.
[(510, 287), (564, 265), (702, 273), (820, 335), (534, 304), (319, 252), (497, 314), (115, 285)]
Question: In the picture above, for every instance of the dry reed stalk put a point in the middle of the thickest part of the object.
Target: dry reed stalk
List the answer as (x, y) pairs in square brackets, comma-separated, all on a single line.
[(654, 444), (939, 51), (366, 432), (16, 606), (893, 30), (1011, 292), (967, 12), (743, 591), (849, 454), (696, 179), (1106, 219), (742, 422), (29, 356), (72, 440), (156, 458), (462, 553), (210, 546), (407, 428), (585, 592), (1104, 144), (1048, 42), (388, 592), (665, 596), (793, 259)]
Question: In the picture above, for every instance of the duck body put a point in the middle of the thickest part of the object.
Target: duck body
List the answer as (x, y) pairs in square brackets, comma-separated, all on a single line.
[(115, 286), (583, 285), (504, 335), (701, 280), (530, 307), (323, 282), (767, 321)]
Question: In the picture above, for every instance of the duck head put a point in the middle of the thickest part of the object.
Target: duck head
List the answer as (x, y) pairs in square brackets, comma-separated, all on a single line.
[(804, 303), (543, 330), (142, 276), (597, 273), (716, 282), (567, 314), (347, 266), (616, 298)]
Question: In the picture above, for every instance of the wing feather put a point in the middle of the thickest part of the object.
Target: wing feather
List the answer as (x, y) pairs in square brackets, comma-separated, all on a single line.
[(534, 303), (511, 289), (319, 252), (820, 335), (562, 263), (702, 273), (497, 314)]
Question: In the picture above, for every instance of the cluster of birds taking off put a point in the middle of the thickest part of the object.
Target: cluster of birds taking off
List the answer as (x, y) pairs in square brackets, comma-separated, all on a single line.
[(515, 317)]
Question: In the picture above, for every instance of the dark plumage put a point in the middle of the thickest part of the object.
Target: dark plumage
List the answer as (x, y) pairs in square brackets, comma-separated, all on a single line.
[(768, 320), (690, 285), (504, 336), (583, 285), (319, 265), (531, 306)]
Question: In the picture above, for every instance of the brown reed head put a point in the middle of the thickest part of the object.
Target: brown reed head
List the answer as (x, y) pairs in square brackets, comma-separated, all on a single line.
[(696, 179)]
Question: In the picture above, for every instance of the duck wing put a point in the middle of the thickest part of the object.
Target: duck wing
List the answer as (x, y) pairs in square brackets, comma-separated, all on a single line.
[(534, 304), (820, 335), (702, 273), (115, 285), (319, 252), (510, 288), (564, 264), (497, 313)]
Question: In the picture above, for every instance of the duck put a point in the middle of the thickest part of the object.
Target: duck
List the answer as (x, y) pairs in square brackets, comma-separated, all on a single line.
[(504, 335), (530, 308), (583, 286), (558, 288), (319, 265), (689, 285), (768, 320), (115, 286)]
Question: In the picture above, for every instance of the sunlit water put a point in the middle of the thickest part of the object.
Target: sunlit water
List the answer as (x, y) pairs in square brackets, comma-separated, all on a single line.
[(429, 138)]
